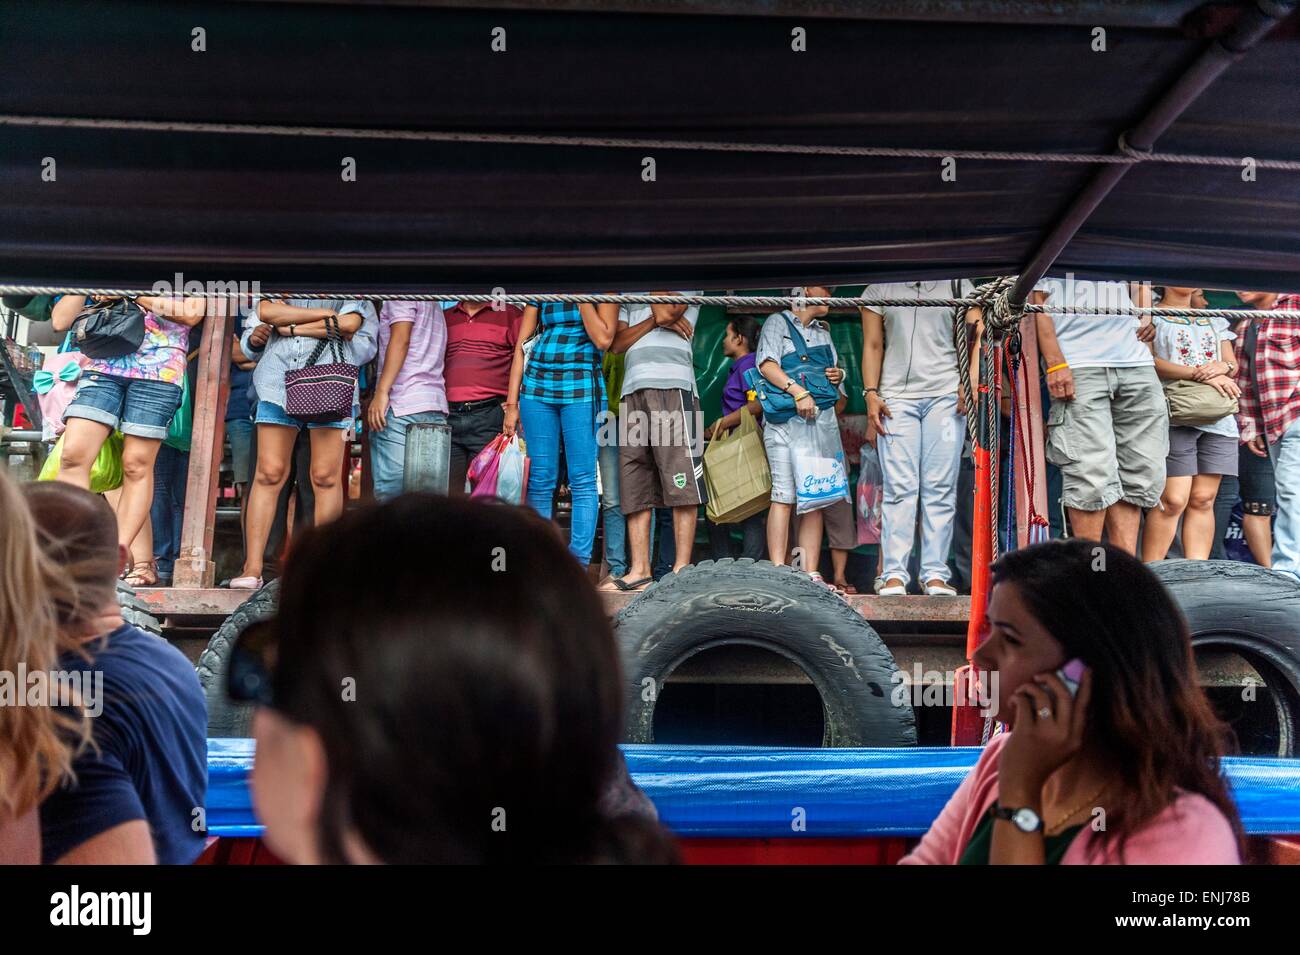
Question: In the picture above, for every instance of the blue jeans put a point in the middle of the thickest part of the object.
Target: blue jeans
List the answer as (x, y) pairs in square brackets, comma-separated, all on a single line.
[(1286, 526), (920, 459), (388, 450), (135, 406), (543, 424), (610, 514), (171, 471)]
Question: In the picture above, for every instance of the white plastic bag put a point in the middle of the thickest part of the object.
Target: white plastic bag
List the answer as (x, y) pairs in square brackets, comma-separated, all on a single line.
[(512, 471), (821, 473)]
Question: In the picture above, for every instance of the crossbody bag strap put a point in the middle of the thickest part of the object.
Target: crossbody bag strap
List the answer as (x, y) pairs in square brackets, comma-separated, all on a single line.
[(796, 338)]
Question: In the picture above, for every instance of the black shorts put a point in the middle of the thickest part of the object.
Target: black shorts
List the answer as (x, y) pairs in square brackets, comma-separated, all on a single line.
[(1255, 477)]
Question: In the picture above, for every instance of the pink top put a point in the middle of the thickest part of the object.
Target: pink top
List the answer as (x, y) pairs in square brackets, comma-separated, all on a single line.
[(419, 385), (1192, 831)]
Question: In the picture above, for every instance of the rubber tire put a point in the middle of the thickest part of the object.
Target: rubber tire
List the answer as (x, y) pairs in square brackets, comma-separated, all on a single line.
[(779, 609), (135, 611), (1244, 608), (226, 718)]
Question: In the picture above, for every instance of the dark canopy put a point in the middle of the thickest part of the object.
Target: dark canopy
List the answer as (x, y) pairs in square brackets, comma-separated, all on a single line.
[(131, 207)]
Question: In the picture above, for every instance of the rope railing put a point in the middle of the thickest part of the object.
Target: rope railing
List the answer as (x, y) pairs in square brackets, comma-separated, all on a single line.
[(640, 298), (1124, 155)]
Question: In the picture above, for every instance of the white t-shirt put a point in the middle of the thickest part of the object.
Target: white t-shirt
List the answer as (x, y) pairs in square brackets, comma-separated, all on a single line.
[(1191, 342), (920, 358), (661, 358), (1095, 341)]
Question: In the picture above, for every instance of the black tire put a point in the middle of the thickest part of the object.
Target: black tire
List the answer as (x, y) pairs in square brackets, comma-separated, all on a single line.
[(226, 718), (1251, 611), (777, 609), (135, 611)]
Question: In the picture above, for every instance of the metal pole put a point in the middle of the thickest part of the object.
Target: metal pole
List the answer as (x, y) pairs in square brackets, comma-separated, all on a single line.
[(1255, 23)]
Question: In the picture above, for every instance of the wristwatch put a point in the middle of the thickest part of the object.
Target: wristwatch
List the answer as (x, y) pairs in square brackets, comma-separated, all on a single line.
[(1024, 819)]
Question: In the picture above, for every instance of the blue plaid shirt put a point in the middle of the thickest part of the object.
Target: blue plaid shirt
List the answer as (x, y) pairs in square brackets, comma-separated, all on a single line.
[(564, 365)]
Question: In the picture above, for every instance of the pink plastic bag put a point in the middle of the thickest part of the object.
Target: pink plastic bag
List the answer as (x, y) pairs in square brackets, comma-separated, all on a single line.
[(55, 384), (870, 496), (481, 478)]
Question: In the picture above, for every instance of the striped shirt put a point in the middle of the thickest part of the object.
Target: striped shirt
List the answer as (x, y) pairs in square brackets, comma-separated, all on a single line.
[(660, 359), (564, 365), (480, 350), (1270, 378)]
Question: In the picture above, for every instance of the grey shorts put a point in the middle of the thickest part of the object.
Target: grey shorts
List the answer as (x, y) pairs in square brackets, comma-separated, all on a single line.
[(1111, 441), (1193, 451), (839, 524)]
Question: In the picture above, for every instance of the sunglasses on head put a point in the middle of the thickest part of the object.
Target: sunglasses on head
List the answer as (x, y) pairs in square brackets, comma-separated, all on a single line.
[(250, 667)]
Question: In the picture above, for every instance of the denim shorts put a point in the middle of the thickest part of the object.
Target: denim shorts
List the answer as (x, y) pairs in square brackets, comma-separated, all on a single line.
[(134, 406), (268, 413)]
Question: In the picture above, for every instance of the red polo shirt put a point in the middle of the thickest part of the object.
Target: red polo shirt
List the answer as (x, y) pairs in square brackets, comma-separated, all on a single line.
[(480, 348)]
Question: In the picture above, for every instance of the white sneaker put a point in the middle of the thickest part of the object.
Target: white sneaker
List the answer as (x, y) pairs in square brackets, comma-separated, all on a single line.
[(895, 590), (940, 590)]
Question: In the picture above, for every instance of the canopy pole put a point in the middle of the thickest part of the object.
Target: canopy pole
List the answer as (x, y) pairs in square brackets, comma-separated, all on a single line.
[(1256, 22)]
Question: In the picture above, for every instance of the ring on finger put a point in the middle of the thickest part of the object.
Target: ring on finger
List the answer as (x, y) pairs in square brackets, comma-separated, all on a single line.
[(1044, 713)]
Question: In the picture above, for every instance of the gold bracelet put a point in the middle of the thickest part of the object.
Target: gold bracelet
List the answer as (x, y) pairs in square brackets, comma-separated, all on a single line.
[(802, 395), (1063, 364)]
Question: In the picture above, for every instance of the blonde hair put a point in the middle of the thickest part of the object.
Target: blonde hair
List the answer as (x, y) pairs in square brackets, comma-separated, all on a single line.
[(37, 743)]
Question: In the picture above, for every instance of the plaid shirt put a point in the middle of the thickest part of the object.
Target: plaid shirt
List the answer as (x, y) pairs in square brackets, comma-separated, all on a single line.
[(564, 366), (1270, 378)]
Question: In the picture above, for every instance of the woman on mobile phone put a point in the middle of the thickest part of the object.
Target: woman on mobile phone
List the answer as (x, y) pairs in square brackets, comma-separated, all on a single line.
[(1126, 769)]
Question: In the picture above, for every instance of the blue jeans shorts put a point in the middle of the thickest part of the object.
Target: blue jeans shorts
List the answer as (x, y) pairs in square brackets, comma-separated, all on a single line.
[(268, 413), (134, 406)]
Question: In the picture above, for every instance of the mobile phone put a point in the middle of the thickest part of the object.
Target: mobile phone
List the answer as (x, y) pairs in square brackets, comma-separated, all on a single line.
[(1070, 674)]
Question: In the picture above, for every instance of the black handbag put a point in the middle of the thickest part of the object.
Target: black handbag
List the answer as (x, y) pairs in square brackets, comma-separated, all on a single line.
[(109, 328), (322, 393)]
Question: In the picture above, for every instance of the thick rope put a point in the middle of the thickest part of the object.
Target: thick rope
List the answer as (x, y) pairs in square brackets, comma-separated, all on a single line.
[(1122, 156), (226, 290)]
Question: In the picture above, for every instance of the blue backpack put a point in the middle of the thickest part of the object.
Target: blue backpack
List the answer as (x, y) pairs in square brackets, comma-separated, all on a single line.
[(806, 367)]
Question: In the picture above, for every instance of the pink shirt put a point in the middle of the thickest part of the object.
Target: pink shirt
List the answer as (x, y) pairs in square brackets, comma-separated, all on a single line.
[(420, 385), (1192, 831)]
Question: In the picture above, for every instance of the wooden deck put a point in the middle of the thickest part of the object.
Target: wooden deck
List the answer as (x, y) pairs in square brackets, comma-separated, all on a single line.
[(214, 604)]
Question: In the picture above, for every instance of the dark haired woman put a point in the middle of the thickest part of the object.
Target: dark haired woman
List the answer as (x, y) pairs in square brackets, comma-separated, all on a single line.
[(739, 344), (1127, 771), (460, 708)]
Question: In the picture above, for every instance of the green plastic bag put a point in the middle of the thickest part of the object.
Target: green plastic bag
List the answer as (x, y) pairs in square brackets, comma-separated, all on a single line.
[(105, 473), (182, 423)]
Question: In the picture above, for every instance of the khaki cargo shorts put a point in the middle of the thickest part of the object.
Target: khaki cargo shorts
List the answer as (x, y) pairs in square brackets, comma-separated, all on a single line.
[(1111, 441)]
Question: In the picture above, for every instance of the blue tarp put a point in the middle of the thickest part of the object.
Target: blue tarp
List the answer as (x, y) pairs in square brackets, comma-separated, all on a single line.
[(742, 791)]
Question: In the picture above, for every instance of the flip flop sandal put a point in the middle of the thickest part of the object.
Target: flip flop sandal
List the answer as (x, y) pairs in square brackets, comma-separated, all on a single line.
[(147, 576), (633, 586), (848, 589), (817, 578)]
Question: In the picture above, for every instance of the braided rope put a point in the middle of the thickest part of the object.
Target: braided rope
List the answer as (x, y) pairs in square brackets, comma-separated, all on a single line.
[(1124, 155), (673, 298)]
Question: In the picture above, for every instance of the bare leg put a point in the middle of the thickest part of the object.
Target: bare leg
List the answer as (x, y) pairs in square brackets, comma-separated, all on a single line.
[(839, 567), (778, 531), (138, 455), (810, 541), (1258, 531), (1087, 525), (1198, 522), (638, 544), (327, 450), (82, 440), (684, 519), (274, 446), (1122, 522), (1162, 521)]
